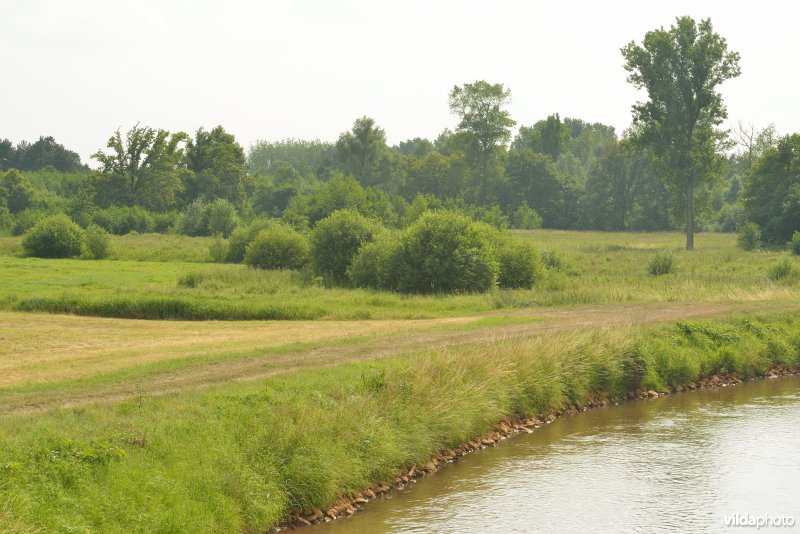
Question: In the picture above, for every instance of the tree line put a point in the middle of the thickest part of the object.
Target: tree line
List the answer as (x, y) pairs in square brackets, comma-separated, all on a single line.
[(675, 168)]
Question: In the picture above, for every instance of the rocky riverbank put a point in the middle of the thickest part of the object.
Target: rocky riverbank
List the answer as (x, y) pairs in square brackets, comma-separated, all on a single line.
[(348, 505)]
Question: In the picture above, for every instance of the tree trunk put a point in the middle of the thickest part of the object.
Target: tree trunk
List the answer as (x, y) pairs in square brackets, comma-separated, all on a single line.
[(690, 215)]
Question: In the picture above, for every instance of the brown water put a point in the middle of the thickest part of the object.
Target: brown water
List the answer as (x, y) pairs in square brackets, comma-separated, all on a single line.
[(683, 463)]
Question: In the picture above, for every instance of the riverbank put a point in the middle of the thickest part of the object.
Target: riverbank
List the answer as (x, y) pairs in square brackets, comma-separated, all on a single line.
[(246, 456), (506, 429)]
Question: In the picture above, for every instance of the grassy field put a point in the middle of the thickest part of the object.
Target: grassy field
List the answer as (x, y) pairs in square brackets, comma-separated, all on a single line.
[(110, 424), (591, 268)]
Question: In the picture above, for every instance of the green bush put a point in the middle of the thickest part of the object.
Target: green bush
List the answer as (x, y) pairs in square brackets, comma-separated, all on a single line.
[(662, 262), (444, 252), (749, 237), (54, 237), (785, 270), (164, 222), (278, 248), (192, 220), (526, 218), (370, 266), (97, 243), (218, 249), (27, 219), (243, 235), (121, 220), (794, 244), (520, 265), (335, 241), (221, 218)]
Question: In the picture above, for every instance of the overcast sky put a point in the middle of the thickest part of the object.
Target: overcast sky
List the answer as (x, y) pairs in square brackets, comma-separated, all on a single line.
[(80, 69)]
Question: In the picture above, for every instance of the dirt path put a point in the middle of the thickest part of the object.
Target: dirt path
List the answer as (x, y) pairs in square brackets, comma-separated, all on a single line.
[(327, 344)]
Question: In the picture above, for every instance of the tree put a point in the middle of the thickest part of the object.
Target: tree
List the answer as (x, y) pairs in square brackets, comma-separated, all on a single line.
[(362, 150), (47, 153), (16, 191), (681, 69), (532, 179), (479, 107), (145, 169), (218, 165), (771, 195)]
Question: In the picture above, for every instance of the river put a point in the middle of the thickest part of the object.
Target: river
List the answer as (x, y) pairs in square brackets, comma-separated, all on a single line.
[(687, 462)]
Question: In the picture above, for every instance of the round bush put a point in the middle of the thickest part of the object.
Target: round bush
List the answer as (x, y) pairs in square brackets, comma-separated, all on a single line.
[(279, 248), (663, 262), (749, 237), (221, 217), (370, 266), (98, 242), (243, 236), (520, 265), (335, 241), (444, 252), (54, 237)]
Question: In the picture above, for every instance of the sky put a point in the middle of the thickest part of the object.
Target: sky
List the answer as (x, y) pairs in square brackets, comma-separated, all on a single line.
[(80, 69)]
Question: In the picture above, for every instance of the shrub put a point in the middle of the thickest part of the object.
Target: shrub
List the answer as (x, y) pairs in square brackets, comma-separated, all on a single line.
[(243, 235), (520, 265), (218, 250), (221, 218), (121, 220), (54, 237), (97, 243), (662, 262), (27, 219), (278, 248), (749, 237), (370, 266), (784, 270), (192, 220), (794, 244), (164, 222), (526, 218), (335, 241), (444, 252)]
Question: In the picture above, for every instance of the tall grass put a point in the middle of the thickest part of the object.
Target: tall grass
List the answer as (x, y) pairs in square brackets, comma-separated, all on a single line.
[(240, 457)]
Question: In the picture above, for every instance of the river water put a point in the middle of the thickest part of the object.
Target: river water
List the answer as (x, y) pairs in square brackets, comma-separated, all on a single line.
[(680, 463)]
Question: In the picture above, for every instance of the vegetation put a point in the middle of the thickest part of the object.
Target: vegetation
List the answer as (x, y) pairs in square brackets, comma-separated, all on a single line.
[(662, 262), (239, 457), (336, 240), (749, 236), (278, 248), (54, 237)]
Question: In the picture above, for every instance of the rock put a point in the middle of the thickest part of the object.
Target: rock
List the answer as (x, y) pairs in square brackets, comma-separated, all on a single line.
[(360, 500), (430, 466), (487, 441), (369, 494), (301, 522), (315, 515), (331, 513)]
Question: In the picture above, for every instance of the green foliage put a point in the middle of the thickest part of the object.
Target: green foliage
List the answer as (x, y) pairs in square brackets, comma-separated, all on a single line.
[(54, 237), (27, 219), (771, 194), (16, 192), (218, 249), (749, 236), (785, 270), (794, 244), (661, 263), (336, 240), (681, 69), (221, 217), (242, 236), (371, 265), (520, 265), (218, 168), (121, 220), (443, 252), (192, 220), (97, 242), (145, 169), (362, 152), (526, 218), (278, 248)]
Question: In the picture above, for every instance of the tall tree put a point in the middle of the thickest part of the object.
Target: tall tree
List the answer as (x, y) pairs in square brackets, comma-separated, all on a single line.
[(479, 106), (145, 169), (681, 69), (218, 165), (362, 151)]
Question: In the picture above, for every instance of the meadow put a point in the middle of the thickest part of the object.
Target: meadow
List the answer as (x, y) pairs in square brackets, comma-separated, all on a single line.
[(112, 420), (164, 277)]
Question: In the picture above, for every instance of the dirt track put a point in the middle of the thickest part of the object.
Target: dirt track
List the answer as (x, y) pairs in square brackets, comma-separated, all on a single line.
[(35, 342)]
